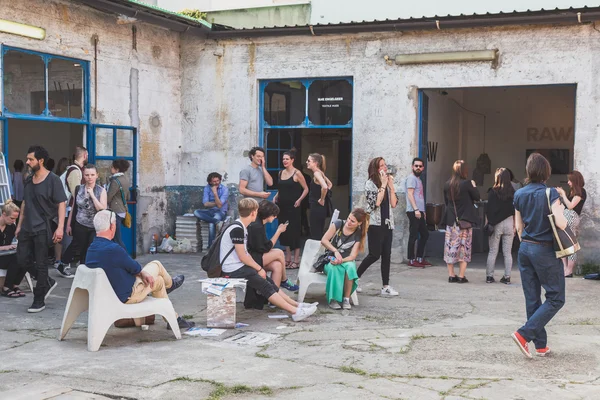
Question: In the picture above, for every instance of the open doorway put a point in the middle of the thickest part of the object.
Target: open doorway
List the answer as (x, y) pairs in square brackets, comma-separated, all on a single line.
[(58, 138), (492, 127)]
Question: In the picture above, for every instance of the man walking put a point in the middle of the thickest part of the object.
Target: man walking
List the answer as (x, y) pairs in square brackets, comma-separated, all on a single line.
[(254, 176), (415, 210), (215, 200), (73, 177), (41, 223)]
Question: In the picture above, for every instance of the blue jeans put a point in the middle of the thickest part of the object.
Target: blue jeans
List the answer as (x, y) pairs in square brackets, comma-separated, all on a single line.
[(118, 239), (213, 217), (540, 268)]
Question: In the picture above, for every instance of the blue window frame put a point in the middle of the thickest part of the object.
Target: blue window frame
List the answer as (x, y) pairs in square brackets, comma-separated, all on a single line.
[(56, 99), (287, 105)]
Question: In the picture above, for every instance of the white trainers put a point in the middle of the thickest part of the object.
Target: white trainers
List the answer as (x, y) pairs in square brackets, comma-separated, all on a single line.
[(308, 305), (303, 313), (346, 304), (335, 305), (358, 289), (388, 291)]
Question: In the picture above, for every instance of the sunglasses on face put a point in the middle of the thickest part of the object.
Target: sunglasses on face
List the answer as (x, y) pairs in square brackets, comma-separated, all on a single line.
[(419, 166)]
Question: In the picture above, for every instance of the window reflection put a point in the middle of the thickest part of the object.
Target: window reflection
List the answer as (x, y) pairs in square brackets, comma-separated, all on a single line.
[(65, 88), (285, 103), (330, 102), (24, 83)]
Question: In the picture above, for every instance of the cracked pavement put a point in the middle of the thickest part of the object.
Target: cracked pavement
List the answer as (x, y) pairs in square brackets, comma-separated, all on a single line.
[(434, 341)]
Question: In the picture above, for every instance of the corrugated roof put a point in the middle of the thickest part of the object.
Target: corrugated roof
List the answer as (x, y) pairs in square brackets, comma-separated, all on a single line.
[(169, 12)]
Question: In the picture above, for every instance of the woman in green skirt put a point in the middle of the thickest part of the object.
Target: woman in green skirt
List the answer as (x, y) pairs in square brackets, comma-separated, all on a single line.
[(344, 240)]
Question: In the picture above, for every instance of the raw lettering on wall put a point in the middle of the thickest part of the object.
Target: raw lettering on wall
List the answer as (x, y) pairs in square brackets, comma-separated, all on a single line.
[(549, 134), (432, 148)]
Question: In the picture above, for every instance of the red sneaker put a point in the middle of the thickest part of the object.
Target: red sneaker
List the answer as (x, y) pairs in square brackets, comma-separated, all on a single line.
[(543, 352), (425, 263), (522, 343), (415, 263)]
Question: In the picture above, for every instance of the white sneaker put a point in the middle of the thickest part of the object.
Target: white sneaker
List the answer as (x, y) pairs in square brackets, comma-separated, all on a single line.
[(346, 304), (335, 305), (388, 291), (358, 289), (308, 305), (303, 313)]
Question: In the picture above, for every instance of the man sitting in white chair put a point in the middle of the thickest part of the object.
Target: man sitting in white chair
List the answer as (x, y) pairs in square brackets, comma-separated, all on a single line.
[(131, 283)]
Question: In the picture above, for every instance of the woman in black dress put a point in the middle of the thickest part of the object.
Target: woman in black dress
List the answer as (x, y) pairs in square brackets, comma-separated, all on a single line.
[(15, 272), (292, 190), (319, 186)]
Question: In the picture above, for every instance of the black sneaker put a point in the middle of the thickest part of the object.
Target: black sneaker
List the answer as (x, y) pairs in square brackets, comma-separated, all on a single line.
[(505, 280), (177, 282), (452, 279), (183, 324), (65, 271), (51, 285), (462, 280), (37, 306), (490, 279)]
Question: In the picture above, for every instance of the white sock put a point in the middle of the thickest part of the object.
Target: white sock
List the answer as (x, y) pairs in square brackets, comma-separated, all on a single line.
[(347, 299)]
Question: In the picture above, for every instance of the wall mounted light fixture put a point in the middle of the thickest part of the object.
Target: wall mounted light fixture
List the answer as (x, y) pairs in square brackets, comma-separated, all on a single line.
[(446, 57), (17, 28)]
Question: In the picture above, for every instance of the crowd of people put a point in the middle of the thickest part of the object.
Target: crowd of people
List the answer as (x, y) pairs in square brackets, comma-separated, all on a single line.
[(48, 208)]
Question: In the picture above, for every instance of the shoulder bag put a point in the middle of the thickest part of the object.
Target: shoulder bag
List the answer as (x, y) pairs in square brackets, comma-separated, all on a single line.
[(565, 242), (127, 220), (461, 224), (324, 258)]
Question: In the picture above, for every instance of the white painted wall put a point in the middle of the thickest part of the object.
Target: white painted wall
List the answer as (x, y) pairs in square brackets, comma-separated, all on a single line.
[(152, 104), (385, 96)]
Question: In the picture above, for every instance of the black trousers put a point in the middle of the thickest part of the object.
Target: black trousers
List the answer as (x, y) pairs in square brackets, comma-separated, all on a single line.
[(14, 271), (380, 245), (418, 231), (318, 215), (266, 287), (83, 236), (36, 244)]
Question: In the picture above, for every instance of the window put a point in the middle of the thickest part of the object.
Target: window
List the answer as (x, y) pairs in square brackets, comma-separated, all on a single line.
[(284, 103), (330, 102), (44, 85)]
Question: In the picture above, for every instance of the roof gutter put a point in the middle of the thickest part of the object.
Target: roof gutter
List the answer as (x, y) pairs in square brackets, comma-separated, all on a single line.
[(172, 22), (532, 18)]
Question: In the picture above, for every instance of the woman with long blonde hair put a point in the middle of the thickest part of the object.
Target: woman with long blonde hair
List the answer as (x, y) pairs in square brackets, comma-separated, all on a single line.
[(14, 271), (344, 240)]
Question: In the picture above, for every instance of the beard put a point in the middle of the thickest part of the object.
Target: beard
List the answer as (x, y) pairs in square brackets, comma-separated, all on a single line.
[(36, 168), (417, 172)]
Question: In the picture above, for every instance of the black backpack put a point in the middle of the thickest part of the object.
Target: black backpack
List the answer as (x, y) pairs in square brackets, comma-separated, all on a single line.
[(212, 261)]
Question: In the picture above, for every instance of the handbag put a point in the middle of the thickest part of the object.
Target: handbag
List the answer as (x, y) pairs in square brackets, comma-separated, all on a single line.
[(461, 224), (489, 229), (127, 220), (564, 241), (324, 258)]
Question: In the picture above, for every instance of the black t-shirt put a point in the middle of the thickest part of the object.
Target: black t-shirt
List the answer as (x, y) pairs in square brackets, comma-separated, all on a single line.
[(385, 207), (41, 202), (258, 243), (579, 205), (7, 236)]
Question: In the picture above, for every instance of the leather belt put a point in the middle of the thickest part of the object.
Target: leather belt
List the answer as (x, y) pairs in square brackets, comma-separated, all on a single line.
[(538, 243)]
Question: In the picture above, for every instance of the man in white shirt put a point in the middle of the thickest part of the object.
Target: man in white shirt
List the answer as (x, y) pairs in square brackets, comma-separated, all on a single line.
[(239, 264)]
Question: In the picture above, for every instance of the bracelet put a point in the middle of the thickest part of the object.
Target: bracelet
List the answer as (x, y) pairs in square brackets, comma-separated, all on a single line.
[(381, 190)]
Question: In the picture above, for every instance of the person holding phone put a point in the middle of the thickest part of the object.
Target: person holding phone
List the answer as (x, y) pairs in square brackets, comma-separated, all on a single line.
[(415, 211), (320, 185), (292, 190), (255, 175), (261, 248), (381, 200)]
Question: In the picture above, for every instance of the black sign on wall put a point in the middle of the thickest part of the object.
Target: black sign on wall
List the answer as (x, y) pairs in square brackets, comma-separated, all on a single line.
[(330, 102)]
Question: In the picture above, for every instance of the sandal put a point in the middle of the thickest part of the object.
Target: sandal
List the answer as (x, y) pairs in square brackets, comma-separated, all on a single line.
[(19, 292), (10, 293), (287, 264), (293, 265)]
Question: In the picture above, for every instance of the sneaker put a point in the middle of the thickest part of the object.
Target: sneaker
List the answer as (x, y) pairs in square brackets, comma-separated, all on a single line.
[(358, 289), (542, 352), (388, 291), (51, 286), (288, 285), (64, 270), (424, 262), (415, 263), (37, 306), (183, 324), (522, 343), (335, 305), (308, 305), (462, 280), (505, 280), (177, 282), (303, 313), (490, 279), (346, 304), (453, 279)]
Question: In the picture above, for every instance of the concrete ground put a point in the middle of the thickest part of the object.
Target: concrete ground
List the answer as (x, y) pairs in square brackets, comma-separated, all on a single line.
[(434, 341)]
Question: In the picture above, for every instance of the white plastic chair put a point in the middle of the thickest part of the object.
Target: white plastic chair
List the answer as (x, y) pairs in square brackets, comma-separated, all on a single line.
[(91, 291), (306, 273)]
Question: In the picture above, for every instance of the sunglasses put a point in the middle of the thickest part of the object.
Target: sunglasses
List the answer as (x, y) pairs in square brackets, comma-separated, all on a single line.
[(419, 166)]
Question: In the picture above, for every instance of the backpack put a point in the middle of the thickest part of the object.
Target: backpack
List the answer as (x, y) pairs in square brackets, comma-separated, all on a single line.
[(63, 178), (212, 261)]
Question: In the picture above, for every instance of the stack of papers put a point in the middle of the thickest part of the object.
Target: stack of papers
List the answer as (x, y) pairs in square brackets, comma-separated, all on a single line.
[(196, 331), (216, 288)]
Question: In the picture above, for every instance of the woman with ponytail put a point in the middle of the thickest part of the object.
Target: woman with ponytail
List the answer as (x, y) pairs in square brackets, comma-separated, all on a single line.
[(318, 200), (344, 239)]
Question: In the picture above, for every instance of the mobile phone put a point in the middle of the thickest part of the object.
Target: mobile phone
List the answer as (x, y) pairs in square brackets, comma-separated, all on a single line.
[(286, 222)]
